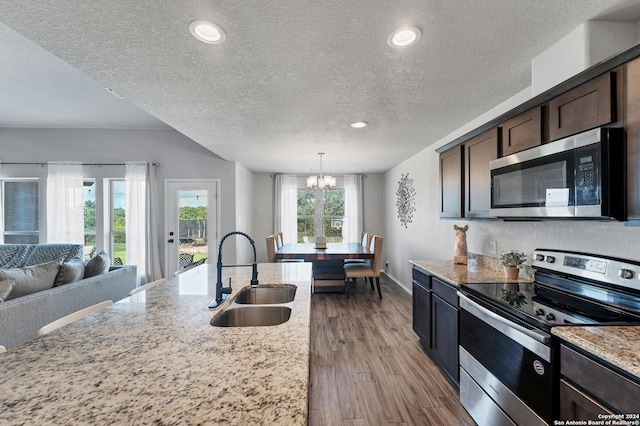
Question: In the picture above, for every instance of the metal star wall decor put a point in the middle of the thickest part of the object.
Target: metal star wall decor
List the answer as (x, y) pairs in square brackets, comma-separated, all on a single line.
[(406, 200)]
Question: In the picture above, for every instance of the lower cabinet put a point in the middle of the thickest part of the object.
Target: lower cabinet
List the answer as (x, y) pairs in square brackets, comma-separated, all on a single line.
[(590, 389), (435, 320)]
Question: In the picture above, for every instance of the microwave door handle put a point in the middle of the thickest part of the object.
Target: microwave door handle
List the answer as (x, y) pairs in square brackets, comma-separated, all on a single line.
[(500, 323)]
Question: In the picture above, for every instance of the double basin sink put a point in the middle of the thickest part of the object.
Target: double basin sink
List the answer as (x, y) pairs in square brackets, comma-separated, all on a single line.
[(258, 306)]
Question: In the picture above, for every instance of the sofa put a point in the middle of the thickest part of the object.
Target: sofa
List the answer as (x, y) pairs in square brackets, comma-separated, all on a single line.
[(22, 316)]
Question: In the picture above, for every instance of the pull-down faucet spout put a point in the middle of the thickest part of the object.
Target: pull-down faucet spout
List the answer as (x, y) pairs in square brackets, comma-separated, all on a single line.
[(223, 292)]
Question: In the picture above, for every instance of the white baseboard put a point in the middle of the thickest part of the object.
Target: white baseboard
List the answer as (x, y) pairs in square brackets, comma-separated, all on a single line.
[(395, 280)]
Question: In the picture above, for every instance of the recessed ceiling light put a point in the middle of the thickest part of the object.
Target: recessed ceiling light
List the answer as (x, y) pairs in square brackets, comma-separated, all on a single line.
[(403, 37), (359, 124), (207, 32)]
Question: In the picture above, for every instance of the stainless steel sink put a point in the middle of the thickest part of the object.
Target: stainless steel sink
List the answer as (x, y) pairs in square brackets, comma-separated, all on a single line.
[(266, 295), (252, 316)]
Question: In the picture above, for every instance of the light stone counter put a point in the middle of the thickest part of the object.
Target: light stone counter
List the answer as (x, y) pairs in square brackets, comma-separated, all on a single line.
[(153, 358), (619, 346), (464, 274)]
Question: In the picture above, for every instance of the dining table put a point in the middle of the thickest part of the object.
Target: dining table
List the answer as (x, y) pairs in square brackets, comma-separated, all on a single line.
[(328, 263)]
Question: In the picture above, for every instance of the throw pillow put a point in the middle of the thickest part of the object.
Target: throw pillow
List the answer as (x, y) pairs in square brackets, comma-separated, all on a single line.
[(70, 271), (5, 289), (98, 264), (31, 279)]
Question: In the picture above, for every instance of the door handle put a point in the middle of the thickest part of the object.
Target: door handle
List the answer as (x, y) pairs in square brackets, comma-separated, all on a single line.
[(170, 240)]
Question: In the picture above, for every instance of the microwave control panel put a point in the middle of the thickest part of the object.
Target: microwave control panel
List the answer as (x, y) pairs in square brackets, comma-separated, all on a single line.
[(587, 179)]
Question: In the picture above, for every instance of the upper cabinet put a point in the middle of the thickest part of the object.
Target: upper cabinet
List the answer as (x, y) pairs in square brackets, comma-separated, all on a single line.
[(522, 132), (632, 127), (585, 107), (478, 152), (451, 182)]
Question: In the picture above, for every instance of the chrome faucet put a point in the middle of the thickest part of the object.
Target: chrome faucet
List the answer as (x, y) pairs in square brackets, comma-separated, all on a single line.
[(224, 292)]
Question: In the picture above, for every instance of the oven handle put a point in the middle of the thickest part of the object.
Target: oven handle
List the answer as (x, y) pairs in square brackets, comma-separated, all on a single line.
[(509, 328)]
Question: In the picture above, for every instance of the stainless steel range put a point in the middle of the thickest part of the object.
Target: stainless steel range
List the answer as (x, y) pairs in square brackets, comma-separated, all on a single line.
[(509, 366)]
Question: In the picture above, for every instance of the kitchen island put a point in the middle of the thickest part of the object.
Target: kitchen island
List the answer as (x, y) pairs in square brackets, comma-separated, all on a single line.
[(154, 358)]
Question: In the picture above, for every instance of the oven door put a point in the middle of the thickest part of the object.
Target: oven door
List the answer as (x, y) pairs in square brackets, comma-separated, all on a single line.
[(507, 375), (538, 182)]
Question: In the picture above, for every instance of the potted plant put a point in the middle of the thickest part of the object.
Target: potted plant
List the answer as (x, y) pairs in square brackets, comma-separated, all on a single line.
[(511, 260)]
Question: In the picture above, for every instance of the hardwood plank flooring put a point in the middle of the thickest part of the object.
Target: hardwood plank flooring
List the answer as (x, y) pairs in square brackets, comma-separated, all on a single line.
[(368, 368)]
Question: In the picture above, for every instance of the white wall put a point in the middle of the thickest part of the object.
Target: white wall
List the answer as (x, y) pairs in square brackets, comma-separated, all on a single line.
[(244, 213), (179, 158), (428, 237)]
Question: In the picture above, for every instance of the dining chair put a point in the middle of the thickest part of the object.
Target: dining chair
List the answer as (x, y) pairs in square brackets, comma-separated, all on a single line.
[(367, 271), (365, 240), (146, 286), (2, 349), (271, 248), (279, 240), (73, 317)]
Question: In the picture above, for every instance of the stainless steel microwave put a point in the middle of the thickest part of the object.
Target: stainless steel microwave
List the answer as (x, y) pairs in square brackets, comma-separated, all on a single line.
[(582, 176)]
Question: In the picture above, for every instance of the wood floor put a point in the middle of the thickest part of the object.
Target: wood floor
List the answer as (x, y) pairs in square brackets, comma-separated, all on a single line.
[(368, 368)]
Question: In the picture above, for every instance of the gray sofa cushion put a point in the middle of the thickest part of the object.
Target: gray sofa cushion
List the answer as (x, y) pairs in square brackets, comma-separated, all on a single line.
[(19, 255), (31, 279), (99, 264), (5, 288), (70, 271)]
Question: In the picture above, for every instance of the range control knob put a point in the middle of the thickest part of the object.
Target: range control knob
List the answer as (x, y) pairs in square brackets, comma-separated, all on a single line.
[(539, 312), (551, 259), (539, 257), (626, 274), (550, 317)]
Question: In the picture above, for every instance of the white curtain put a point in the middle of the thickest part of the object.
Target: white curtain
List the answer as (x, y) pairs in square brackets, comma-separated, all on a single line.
[(141, 220), (286, 207), (65, 206), (353, 213)]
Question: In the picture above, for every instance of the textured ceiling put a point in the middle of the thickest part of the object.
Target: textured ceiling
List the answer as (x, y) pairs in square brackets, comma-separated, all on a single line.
[(292, 75)]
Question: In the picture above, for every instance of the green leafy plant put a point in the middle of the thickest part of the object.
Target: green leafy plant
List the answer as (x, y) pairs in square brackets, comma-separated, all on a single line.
[(512, 258)]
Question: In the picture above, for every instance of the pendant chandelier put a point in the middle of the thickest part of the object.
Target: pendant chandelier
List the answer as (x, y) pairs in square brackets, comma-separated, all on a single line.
[(324, 182)]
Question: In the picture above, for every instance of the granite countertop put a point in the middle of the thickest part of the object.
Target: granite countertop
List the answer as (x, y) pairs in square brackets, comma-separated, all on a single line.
[(462, 274), (617, 345), (153, 358)]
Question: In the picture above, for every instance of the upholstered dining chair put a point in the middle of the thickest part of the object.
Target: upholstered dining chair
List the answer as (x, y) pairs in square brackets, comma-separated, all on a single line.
[(2, 349), (365, 240), (73, 317), (279, 239), (147, 286), (271, 248), (364, 270)]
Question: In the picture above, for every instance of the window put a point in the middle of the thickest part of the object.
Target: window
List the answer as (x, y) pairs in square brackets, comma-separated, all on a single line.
[(21, 211), (117, 230), (321, 210)]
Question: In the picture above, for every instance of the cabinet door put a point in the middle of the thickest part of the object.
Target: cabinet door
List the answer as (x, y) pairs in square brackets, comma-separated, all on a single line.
[(421, 313), (576, 405), (451, 181), (522, 132), (479, 151), (633, 139), (444, 326), (589, 105)]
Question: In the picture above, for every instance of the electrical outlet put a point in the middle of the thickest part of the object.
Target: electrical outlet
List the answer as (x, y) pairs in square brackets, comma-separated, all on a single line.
[(493, 247)]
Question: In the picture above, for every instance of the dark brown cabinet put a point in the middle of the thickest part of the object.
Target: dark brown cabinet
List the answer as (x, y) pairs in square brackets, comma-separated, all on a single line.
[(435, 320), (479, 151), (632, 127), (589, 105), (588, 388), (451, 180), (522, 132)]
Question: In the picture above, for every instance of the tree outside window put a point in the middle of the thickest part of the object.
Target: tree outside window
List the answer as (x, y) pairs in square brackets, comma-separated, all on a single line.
[(320, 212)]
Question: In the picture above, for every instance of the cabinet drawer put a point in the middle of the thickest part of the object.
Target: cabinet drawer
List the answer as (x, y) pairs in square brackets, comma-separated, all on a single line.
[(609, 387), (589, 105), (445, 291), (421, 278), (522, 132), (576, 405)]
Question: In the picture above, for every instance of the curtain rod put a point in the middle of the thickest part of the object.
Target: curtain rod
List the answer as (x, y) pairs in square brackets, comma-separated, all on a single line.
[(83, 164)]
